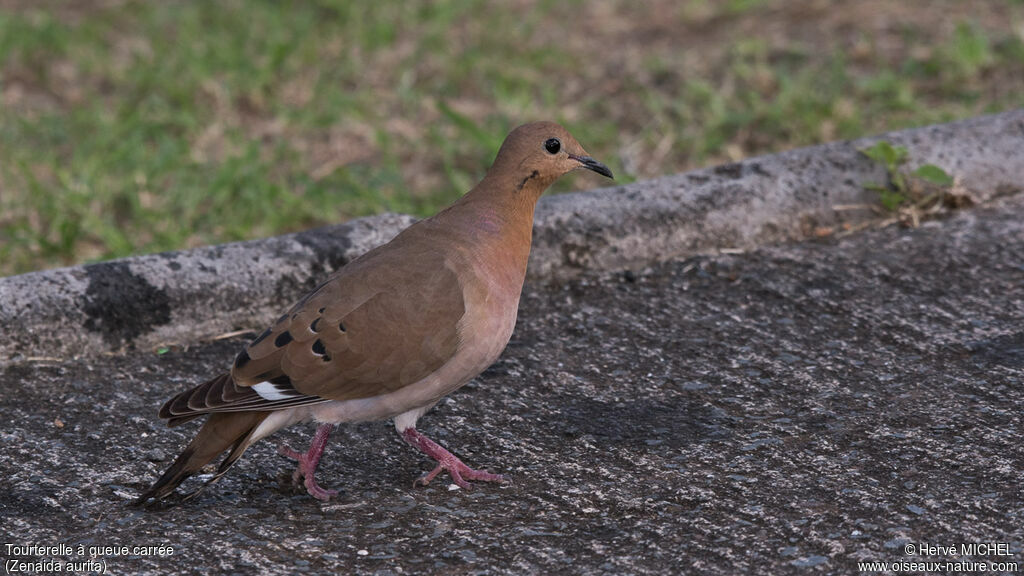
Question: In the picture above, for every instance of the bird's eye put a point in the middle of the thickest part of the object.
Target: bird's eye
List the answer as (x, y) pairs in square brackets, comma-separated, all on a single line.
[(552, 145)]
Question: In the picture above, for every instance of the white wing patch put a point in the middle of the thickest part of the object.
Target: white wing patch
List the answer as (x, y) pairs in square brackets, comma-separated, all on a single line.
[(271, 392)]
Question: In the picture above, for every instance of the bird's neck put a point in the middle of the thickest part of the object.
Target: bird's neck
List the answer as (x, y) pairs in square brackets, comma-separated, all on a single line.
[(501, 207), (496, 217)]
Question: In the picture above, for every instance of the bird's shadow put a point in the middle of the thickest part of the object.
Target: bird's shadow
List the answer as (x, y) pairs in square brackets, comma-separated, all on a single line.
[(644, 421)]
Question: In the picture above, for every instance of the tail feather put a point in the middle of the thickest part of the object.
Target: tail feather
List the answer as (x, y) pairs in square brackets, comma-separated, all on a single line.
[(235, 412), (223, 430), (223, 394)]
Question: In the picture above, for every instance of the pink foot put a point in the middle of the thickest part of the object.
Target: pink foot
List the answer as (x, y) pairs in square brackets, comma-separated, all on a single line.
[(308, 462), (459, 472)]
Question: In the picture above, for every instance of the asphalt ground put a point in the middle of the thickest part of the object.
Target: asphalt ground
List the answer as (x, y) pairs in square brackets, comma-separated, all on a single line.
[(790, 409)]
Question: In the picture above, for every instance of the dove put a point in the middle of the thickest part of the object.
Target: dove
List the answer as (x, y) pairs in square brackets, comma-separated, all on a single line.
[(389, 334)]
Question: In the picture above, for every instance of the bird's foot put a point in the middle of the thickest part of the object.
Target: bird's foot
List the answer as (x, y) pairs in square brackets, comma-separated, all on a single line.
[(459, 472), (308, 462), (304, 474)]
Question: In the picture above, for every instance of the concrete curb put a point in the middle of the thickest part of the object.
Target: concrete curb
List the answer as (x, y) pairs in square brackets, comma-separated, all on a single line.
[(767, 199), (176, 297)]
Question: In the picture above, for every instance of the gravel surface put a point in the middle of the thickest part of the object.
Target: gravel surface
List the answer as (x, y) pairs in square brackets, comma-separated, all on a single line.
[(791, 409)]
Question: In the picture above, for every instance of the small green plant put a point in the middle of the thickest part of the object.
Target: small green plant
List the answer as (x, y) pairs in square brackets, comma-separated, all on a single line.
[(912, 195), (893, 194), (900, 191)]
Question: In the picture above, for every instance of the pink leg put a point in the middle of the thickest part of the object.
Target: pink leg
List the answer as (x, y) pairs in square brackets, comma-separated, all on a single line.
[(308, 462), (446, 461)]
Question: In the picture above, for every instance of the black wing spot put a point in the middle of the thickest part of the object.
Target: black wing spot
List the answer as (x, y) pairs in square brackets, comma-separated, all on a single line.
[(326, 358), (314, 326), (261, 337), (321, 310), (282, 380), (341, 326), (242, 359), (283, 339), (318, 348)]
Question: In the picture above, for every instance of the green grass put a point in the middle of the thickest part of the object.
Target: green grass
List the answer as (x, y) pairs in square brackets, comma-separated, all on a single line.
[(153, 126)]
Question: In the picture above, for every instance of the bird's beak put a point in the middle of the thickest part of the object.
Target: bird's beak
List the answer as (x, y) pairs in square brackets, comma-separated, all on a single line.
[(591, 164)]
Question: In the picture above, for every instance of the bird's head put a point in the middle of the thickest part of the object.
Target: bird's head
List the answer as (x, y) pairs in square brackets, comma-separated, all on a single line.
[(536, 154)]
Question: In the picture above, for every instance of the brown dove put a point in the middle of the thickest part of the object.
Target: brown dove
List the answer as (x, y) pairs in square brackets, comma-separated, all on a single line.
[(390, 333)]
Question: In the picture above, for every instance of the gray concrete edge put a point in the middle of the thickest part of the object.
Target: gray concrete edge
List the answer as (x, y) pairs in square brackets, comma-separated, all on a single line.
[(178, 297)]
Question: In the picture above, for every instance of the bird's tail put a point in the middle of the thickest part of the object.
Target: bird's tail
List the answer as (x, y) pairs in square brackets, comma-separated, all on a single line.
[(223, 430)]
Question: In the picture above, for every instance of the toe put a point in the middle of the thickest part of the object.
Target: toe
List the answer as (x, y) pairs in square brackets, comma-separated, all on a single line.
[(425, 479), (457, 478), (319, 493), (484, 476), (323, 495)]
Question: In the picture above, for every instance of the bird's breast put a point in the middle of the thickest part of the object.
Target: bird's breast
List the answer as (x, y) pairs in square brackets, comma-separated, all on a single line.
[(492, 304)]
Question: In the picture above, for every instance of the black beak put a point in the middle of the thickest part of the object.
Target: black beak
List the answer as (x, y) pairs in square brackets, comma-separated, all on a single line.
[(591, 164)]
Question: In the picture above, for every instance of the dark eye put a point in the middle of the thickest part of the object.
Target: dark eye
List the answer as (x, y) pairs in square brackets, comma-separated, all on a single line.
[(552, 145)]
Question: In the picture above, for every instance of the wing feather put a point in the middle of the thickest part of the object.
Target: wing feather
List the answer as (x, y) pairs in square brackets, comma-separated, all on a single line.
[(368, 330)]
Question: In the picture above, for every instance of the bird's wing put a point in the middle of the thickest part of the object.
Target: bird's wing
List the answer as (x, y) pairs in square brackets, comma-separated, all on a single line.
[(369, 330)]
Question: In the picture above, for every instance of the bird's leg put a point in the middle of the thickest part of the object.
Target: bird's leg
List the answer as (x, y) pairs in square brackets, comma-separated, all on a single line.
[(459, 472), (309, 460)]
